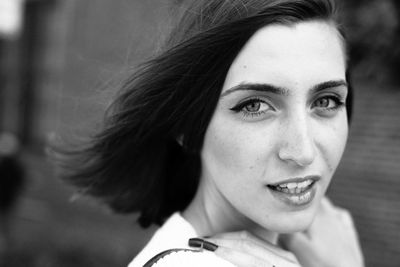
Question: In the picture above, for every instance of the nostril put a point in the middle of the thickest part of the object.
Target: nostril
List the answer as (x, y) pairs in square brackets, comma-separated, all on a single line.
[(301, 153), (300, 160)]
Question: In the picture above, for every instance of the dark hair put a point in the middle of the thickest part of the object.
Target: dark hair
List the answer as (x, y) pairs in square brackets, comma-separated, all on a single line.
[(135, 163)]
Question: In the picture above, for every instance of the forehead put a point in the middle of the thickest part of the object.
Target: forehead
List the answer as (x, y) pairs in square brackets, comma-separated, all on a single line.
[(305, 53)]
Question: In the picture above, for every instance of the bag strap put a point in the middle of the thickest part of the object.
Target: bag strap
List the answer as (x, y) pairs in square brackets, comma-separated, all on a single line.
[(165, 253)]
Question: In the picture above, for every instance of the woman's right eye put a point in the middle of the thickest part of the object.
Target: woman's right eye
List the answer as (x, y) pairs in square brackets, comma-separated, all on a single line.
[(252, 107)]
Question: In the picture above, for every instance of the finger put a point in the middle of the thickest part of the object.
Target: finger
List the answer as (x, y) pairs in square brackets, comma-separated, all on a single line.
[(299, 244), (326, 205), (242, 259), (345, 217), (329, 207), (251, 245), (248, 241), (293, 241), (235, 235), (330, 211), (348, 222)]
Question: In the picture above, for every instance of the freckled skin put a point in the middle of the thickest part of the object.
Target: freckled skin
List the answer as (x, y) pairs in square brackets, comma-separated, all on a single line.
[(240, 156)]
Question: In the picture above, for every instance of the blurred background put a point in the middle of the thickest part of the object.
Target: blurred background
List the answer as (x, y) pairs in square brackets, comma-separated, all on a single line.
[(61, 61)]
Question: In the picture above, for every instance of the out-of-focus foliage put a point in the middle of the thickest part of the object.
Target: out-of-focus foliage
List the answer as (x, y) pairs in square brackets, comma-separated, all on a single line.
[(374, 34)]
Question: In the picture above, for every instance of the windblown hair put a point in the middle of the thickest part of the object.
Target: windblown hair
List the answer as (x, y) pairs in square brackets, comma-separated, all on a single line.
[(135, 164)]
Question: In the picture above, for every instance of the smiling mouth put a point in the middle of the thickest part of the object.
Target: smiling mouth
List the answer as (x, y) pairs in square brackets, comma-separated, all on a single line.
[(296, 191), (293, 187)]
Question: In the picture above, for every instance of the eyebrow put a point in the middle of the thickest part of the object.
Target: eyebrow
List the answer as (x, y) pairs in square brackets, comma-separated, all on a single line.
[(264, 87), (328, 84)]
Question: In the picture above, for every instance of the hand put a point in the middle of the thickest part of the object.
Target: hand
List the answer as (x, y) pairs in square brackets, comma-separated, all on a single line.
[(330, 241), (246, 250)]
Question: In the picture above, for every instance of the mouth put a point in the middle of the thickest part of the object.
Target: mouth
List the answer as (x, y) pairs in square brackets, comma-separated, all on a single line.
[(295, 191)]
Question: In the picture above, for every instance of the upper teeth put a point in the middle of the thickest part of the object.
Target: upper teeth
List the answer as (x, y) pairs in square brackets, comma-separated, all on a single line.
[(296, 185)]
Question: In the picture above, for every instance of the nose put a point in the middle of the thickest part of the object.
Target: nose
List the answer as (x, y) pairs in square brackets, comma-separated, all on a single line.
[(297, 144)]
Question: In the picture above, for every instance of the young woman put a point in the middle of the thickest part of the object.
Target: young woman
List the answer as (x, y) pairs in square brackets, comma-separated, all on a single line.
[(233, 132)]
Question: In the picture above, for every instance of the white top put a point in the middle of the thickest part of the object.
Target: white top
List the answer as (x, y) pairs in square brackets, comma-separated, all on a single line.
[(175, 233)]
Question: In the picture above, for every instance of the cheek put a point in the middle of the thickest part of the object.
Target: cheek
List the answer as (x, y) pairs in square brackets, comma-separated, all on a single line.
[(233, 163), (222, 150), (232, 151), (332, 142)]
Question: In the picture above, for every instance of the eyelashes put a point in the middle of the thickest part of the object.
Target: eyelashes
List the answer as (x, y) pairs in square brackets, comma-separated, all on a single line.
[(252, 107), (328, 103), (324, 106)]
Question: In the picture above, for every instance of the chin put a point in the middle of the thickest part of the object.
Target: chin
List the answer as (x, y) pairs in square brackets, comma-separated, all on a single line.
[(292, 222)]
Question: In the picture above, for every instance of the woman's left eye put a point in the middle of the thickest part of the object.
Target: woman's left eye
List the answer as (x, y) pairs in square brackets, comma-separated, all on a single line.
[(252, 107), (328, 103)]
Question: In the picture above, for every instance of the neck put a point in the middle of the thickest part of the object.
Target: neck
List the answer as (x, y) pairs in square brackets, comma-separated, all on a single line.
[(210, 213)]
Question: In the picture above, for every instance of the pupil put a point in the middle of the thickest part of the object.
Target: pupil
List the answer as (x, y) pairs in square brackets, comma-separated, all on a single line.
[(323, 102), (253, 107)]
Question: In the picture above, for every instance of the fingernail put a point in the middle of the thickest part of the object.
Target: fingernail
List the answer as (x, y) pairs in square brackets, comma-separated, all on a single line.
[(200, 243)]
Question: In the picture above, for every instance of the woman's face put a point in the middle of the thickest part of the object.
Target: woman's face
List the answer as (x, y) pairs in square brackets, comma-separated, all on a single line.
[(280, 127)]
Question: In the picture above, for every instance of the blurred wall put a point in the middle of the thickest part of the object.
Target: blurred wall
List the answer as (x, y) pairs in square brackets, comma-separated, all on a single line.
[(368, 179), (100, 42), (58, 78)]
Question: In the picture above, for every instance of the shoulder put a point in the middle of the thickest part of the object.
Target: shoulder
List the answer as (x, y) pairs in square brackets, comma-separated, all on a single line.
[(169, 247), (173, 234)]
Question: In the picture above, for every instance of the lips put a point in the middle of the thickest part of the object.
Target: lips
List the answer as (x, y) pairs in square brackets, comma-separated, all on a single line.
[(291, 185), (295, 191)]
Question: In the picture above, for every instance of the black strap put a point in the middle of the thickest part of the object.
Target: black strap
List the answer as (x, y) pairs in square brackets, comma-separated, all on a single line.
[(165, 253)]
